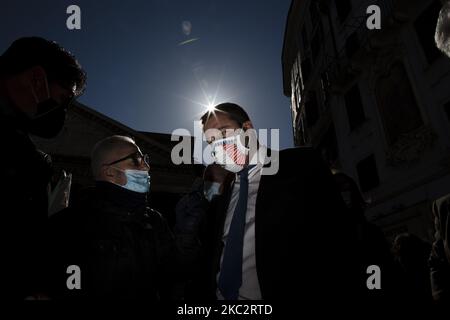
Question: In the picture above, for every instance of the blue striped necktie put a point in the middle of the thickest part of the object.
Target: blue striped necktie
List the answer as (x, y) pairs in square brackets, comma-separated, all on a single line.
[(230, 278)]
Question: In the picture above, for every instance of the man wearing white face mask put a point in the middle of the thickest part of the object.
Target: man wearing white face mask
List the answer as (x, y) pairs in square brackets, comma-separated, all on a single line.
[(124, 248), (273, 231)]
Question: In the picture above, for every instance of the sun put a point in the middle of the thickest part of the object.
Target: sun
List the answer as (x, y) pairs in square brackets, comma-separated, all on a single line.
[(209, 99), (210, 107)]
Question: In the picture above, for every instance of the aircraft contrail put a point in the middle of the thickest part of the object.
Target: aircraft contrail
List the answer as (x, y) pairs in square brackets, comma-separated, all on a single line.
[(188, 41)]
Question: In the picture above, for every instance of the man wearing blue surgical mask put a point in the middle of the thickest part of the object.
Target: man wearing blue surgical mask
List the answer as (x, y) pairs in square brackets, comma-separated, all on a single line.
[(126, 166), (124, 248)]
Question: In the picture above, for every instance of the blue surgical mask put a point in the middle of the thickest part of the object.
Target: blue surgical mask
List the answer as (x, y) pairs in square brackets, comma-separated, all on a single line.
[(211, 190), (137, 180)]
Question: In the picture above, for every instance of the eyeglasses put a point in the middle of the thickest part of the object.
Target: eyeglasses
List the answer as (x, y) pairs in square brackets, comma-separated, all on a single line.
[(138, 159)]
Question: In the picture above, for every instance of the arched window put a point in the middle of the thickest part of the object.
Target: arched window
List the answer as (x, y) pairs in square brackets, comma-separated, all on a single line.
[(397, 104)]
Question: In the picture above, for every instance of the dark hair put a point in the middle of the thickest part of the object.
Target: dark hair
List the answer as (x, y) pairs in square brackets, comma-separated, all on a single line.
[(234, 111), (59, 64)]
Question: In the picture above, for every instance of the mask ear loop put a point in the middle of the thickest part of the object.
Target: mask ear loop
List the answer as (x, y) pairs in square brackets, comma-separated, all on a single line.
[(47, 87), (241, 146), (33, 92), (48, 97), (247, 139), (36, 99)]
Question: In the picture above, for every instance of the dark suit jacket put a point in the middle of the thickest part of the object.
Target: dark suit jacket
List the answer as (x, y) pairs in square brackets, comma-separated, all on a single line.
[(440, 254), (304, 239), (25, 174)]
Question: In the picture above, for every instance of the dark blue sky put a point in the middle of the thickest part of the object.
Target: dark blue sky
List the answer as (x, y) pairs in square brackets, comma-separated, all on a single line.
[(138, 73)]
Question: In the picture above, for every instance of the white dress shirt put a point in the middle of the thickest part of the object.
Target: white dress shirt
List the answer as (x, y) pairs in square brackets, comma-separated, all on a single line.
[(249, 289)]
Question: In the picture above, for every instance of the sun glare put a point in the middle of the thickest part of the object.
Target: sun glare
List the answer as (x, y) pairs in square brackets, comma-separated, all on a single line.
[(210, 107)]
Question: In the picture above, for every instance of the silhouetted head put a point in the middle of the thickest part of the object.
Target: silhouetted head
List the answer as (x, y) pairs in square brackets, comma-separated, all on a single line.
[(350, 193), (410, 249), (442, 35), (35, 71)]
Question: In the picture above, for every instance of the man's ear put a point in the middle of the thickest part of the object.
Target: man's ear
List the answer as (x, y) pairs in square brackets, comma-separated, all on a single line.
[(247, 125), (108, 171)]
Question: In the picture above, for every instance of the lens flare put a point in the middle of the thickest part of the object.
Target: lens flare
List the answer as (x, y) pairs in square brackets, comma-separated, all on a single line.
[(210, 107)]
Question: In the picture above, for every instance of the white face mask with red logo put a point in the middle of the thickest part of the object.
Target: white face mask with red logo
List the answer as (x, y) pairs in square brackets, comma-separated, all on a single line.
[(230, 153)]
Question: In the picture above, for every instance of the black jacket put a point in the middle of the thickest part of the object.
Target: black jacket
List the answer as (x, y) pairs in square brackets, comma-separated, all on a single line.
[(305, 241), (124, 249), (24, 174), (440, 254)]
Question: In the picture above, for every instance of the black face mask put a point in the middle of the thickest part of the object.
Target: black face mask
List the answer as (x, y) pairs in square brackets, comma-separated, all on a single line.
[(49, 119)]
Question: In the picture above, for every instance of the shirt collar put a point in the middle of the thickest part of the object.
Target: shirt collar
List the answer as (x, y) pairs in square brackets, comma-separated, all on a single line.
[(258, 160)]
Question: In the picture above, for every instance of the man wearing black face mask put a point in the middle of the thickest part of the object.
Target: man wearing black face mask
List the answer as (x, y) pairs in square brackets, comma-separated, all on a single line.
[(38, 81)]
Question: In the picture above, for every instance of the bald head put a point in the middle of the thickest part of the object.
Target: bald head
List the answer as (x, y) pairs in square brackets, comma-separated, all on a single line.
[(109, 150), (442, 35)]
